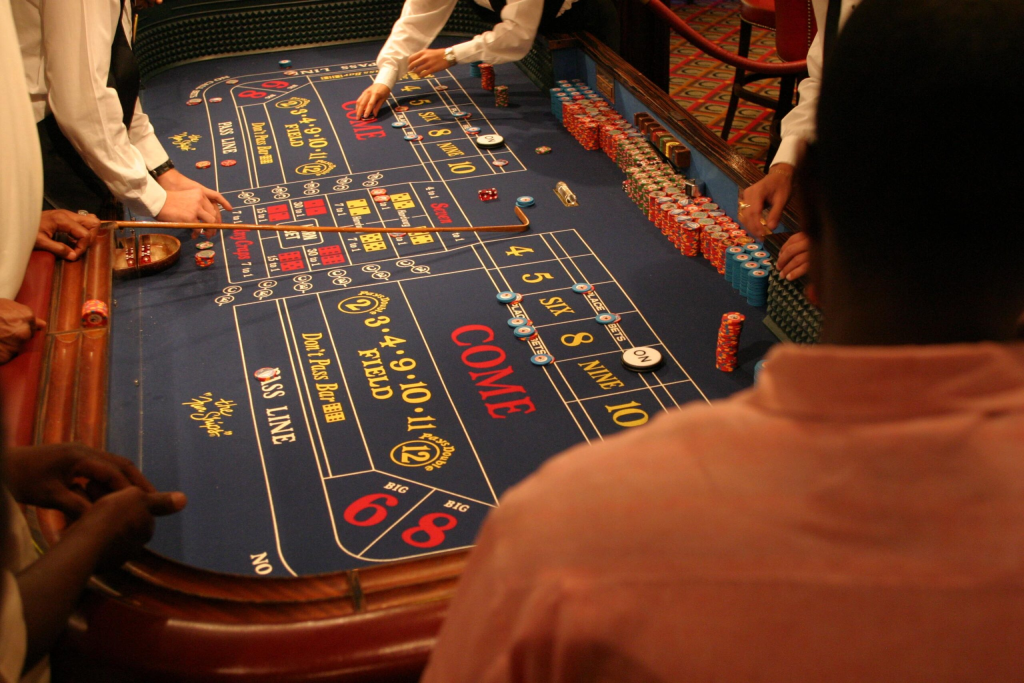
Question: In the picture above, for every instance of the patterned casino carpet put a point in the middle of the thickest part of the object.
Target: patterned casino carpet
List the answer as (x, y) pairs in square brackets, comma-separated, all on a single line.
[(703, 85)]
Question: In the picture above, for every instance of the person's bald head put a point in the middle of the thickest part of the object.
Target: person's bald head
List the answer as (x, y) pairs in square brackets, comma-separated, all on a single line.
[(914, 179)]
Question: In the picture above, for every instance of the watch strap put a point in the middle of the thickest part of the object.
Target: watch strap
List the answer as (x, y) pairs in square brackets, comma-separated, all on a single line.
[(162, 168)]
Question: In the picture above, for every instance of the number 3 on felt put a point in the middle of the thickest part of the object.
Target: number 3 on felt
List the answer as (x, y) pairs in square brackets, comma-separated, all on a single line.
[(534, 278)]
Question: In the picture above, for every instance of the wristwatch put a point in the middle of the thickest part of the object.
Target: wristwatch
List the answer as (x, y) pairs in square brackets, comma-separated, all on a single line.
[(162, 168), (449, 55)]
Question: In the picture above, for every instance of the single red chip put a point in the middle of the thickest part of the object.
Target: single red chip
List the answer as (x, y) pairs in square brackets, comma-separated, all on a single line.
[(381, 198), (203, 164), (377, 191), (228, 162)]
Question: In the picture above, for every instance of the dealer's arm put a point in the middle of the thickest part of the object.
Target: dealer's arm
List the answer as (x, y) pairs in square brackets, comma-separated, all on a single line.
[(421, 20)]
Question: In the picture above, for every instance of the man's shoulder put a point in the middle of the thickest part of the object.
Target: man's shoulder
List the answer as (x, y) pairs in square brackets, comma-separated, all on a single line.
[(669, 456)]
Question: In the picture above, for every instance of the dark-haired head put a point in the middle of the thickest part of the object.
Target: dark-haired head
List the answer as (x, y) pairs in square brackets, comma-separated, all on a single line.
[(911, 189)]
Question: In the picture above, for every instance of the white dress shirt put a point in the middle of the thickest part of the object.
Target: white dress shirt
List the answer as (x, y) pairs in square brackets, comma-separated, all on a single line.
[(21, 173), (66, 45), (422, 20), (800, 125)]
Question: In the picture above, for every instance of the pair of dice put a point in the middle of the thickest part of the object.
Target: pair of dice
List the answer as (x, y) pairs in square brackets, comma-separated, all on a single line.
[(488, 194)]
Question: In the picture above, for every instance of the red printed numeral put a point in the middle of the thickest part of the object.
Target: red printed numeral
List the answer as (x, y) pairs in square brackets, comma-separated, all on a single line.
[(429, 533), (429, 527), (370, 502)]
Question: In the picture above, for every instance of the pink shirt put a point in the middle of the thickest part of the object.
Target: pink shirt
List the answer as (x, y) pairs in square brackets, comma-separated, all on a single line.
[(857, 516)]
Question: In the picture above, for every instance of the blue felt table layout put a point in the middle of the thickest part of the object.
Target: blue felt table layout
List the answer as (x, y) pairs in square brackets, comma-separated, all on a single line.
[(403, 406)]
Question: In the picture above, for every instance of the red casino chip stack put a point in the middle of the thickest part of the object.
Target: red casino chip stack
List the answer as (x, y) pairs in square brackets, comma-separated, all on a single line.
[(487, 76), (663, 216), (205, 258), (501, 96), (728, 341), (654, 200), (689, 239), (94, 313), (590, 137)]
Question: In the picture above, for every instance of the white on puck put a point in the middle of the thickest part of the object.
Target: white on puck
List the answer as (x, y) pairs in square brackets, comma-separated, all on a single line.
[(488, 141), (642, 359)]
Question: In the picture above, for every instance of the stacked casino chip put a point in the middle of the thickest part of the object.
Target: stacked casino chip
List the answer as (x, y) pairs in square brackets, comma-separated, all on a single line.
[(728, 341), (205, 258), (676, 204), (586, 115), (474, 69), (486, 76), (94, 313), (501, 96), (789, 308), (747, 269), (758, 367)]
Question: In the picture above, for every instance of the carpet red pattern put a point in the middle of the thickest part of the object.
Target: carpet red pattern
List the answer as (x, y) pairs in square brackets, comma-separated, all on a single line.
[(703, 85)]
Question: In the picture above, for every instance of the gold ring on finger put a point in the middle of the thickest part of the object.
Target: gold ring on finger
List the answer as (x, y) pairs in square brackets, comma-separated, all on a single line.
[(744, 205)]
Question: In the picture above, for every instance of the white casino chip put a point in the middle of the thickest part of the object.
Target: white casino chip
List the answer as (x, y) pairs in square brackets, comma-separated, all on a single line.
[(489, 141), (642, 359)]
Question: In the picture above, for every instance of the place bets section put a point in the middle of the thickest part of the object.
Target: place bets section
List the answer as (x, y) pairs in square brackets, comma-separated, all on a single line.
[(333, 400)]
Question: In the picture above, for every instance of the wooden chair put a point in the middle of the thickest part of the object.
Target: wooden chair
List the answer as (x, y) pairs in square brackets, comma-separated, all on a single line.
[(794, 26)]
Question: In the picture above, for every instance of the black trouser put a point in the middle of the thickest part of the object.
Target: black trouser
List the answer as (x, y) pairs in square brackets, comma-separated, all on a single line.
[(68, 182)]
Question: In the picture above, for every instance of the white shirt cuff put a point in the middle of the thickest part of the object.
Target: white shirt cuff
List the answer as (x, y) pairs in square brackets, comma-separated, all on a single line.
[(387, 75), (152, 151), (469, 51), (14, 644), (151, 202), (791, 151)]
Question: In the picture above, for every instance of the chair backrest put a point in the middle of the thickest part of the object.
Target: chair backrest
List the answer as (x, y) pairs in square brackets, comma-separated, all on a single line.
[(795, 28)]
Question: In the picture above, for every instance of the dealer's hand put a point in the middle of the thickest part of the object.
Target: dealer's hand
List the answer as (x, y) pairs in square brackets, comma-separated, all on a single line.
[(68, 477), (370, 101), (78, 226), (795, 257), (426, 62), (17, 325), (772, 191), (191, 202)]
